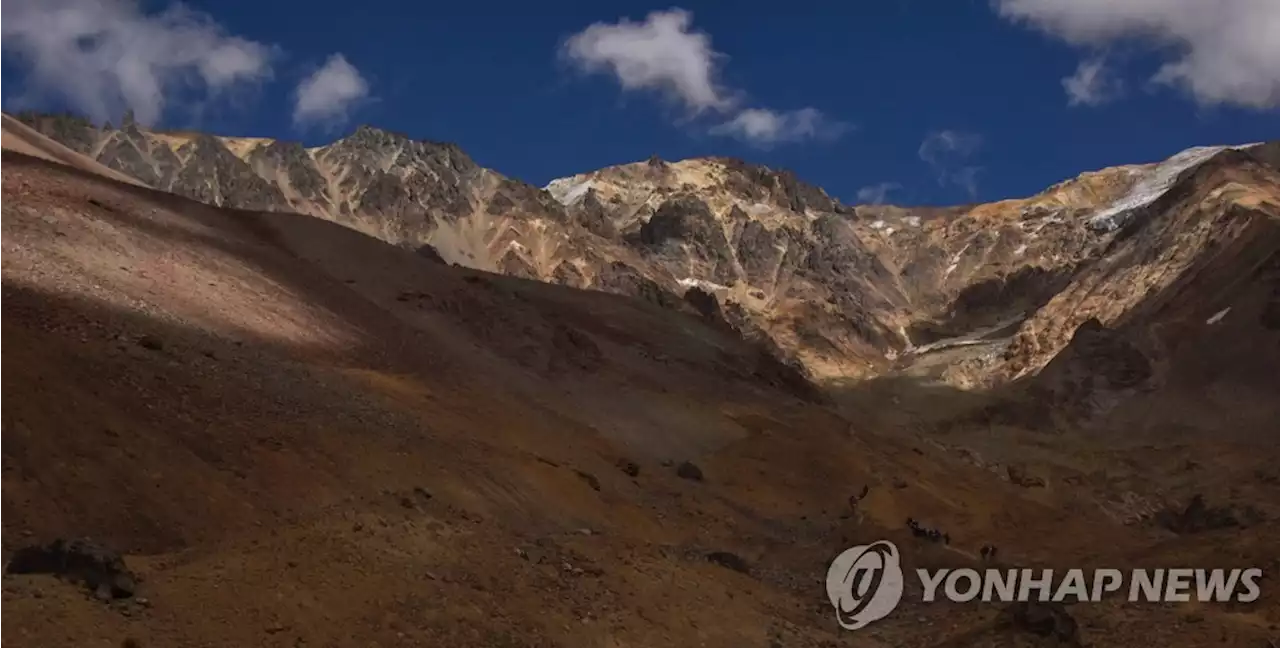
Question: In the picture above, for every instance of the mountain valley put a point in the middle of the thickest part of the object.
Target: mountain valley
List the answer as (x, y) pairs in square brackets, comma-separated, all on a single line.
[(374, 393)]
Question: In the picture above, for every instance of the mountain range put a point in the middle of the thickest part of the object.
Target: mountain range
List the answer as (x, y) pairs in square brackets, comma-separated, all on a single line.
[(838, 291)]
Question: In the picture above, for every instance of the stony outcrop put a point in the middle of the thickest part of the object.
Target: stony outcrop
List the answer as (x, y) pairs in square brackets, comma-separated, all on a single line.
[(1049, 620), (1197, 516), (99, 569), (683, 232)]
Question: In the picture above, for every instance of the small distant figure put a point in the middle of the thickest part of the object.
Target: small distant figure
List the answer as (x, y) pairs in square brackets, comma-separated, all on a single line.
[(916, 530), (853, 508), (854, 500), (988, 552), (932, 535)]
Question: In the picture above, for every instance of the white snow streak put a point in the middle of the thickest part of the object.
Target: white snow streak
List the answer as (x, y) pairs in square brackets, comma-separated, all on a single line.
[(1152, 186), (566, 191), (955, 261), (690, 282)]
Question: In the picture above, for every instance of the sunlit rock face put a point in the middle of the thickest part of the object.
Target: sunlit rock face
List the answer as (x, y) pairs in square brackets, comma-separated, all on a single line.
[(843, 291)]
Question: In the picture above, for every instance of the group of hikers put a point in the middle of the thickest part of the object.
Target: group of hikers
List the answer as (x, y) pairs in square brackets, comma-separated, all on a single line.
[(987, 552), (932, 535)]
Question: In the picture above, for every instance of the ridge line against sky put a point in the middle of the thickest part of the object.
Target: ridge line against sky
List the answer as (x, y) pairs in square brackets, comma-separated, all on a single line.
[(717, 86)]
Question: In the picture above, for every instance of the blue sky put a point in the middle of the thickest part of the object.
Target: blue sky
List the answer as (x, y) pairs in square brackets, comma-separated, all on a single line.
[(939, 102)]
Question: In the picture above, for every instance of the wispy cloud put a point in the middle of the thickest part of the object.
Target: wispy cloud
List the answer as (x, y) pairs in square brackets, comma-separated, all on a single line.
[(878, 193), (665, 54), (764, 128), (108, 56), (1218, 51), (328, 96), (948, 152), (1092, 84)]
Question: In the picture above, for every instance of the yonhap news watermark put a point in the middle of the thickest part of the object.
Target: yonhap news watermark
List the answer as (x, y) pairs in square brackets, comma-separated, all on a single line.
[(865, 583)]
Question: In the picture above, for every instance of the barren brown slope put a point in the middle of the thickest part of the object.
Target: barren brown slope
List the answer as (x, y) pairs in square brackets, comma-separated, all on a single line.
[(300, 435)]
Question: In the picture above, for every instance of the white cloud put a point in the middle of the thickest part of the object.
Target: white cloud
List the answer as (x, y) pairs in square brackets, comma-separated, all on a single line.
[(948, 152), (966, 177), (1092, 84), (876, 194), (665, 54), (106, 56), (939, 145), (1219, 51), (764, 128), (662, 53), (329, 94)]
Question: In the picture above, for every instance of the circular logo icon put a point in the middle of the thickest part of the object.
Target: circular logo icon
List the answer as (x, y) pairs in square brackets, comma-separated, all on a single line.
[(864, 583)]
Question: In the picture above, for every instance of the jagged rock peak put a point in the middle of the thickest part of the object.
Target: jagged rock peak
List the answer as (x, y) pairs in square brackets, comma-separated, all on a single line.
[(369, 143), (744, 181), (285, 149), (373, 136), (204, 141), (762, 184)]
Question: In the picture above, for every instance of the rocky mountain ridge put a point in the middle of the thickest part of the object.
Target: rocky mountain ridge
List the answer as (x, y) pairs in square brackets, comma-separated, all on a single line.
[(843, 291)]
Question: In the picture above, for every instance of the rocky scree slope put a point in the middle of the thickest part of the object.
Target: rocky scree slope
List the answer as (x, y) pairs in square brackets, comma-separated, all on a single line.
[(1183, 308), (839, 291)]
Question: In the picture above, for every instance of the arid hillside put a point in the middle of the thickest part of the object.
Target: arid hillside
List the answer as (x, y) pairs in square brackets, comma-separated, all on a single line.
[(298, 434)]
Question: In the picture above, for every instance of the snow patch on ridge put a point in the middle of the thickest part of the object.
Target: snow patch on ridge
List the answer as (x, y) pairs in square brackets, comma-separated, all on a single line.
[(567, 191), (1152, 185), (955, 261), (690, 282)]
